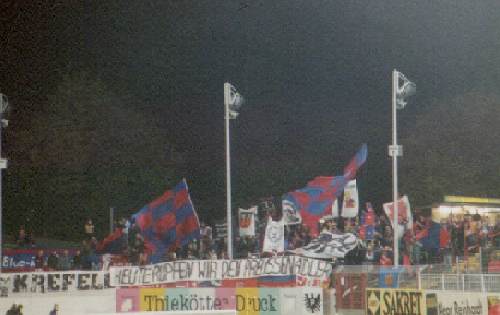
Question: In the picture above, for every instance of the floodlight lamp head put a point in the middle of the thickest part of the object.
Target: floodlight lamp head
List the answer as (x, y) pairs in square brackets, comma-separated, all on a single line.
[(404, 91), (233, 100), (4, 103), (407, 89), (236, 100)]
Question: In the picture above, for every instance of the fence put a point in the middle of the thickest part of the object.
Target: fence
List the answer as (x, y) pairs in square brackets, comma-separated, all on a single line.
[(460, 282)]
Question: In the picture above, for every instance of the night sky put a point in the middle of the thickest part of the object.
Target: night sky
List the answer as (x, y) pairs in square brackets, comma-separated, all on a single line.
[(316, 76)]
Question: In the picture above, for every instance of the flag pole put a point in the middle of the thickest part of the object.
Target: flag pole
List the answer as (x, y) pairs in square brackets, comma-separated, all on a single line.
[(227, 90), (395, 152)]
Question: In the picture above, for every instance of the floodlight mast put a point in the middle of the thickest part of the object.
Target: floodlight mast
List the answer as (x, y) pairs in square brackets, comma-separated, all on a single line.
[(399, 95), (395, 151), (4, 103), (227, 117), (232, 103)]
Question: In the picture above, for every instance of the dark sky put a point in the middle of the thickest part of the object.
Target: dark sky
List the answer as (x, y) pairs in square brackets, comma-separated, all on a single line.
[(315, 74)]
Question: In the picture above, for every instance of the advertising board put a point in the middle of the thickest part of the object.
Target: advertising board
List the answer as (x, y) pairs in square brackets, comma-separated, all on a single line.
[(455, 303), (493, 303), (12, 284), (247, 301), (395, 302), (81, 303), (430, 302)]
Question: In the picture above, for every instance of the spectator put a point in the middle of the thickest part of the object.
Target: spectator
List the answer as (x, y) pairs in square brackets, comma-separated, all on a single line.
[(143, 258), (349, 226), (388, 238), (39, 261), (171, 255), (189, 255), (385, 259), (193, 247), (239, 247), (471, 237), (409, 246), (52, 261), (125, 225), (94, 259), (132, 234), (220, 248), (206, 238), (333, 227), (212, 255), (370, 254), (89, 229), (64, 261), (86, 255), (136, 248), (298, 241), (444, 243), (495, 234), (380, 225), (76, 262), (324, 226), (483, 233), (21, 237)]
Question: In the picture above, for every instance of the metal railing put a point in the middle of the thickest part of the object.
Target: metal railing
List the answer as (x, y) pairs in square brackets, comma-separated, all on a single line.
[(460, 282)]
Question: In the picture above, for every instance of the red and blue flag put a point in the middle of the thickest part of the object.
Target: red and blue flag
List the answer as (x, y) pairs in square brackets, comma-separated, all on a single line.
[(114, 243), (315, 200), (431, 241), (169, 222)]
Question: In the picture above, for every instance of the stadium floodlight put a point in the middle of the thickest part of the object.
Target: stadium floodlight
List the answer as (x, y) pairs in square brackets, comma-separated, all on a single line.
[(232, 103), (400, 93)]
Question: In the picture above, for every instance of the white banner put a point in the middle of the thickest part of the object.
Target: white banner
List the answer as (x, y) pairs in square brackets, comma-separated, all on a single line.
[(274, 240), (246, 221), (208, 270), (404, 211), (329, 245), (350, 205), (291, 215), (48, 282)]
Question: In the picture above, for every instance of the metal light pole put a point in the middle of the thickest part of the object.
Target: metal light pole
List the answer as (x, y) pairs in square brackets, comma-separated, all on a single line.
[(228, 182), (4, 103), (399, 94), (395, 151), (232, 102)]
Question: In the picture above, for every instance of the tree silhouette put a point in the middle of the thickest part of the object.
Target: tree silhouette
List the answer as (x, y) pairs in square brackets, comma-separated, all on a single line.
[(87, 150), (453, 149)]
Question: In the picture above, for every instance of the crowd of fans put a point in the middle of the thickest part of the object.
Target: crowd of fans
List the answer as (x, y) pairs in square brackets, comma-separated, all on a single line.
[(457, 238)]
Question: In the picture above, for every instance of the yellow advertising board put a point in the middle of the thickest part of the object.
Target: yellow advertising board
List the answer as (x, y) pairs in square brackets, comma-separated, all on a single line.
[(395, 302), (152, 299)]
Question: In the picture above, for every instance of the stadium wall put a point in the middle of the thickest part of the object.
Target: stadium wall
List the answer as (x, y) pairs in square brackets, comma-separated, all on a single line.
[(79, 303)]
